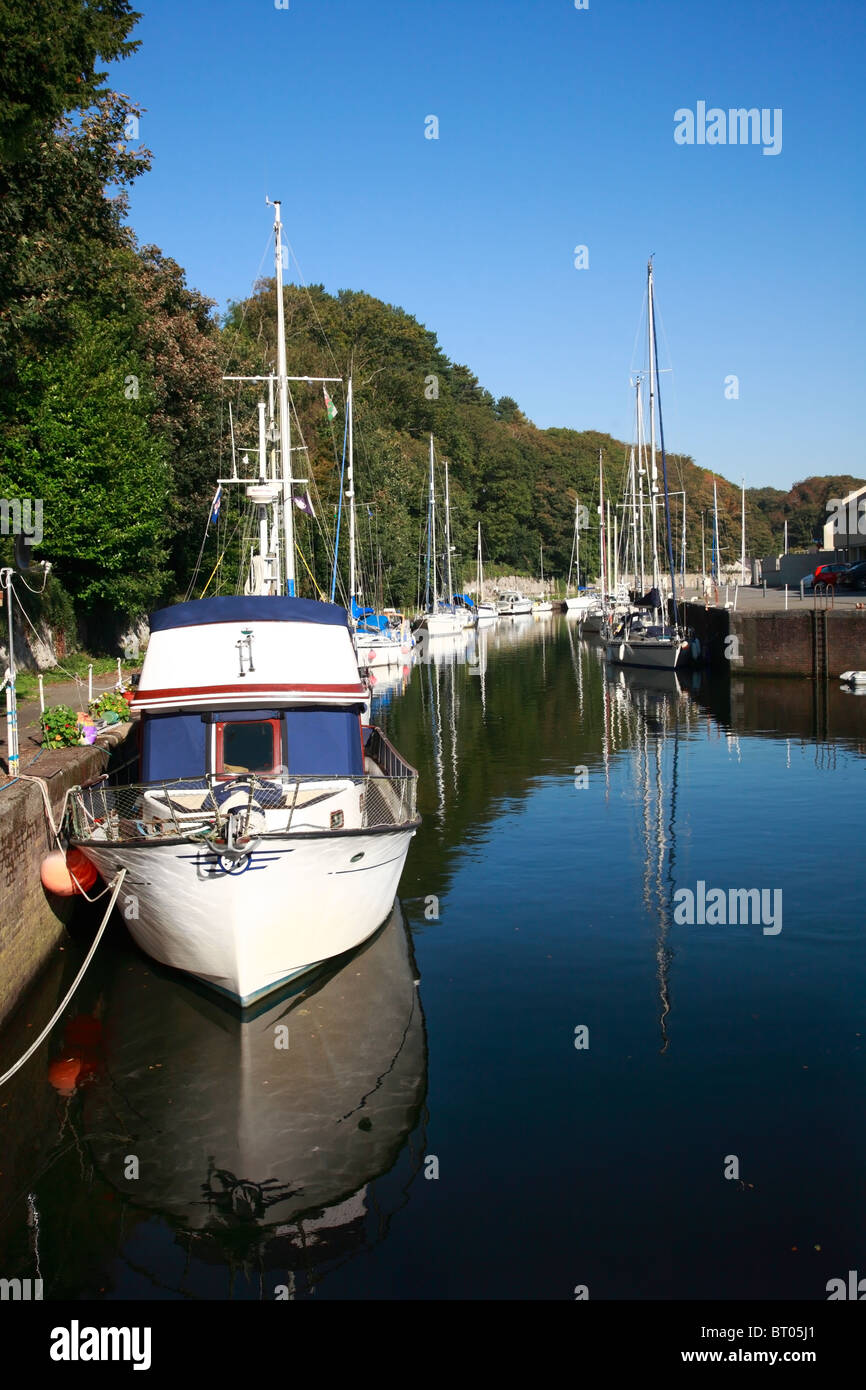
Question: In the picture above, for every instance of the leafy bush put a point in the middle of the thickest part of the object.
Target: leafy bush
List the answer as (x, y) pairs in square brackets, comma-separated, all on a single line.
[(111, 702), (60, 727)]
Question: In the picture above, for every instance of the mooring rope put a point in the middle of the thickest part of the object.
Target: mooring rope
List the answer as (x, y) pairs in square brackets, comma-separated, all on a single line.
[(118, 881)]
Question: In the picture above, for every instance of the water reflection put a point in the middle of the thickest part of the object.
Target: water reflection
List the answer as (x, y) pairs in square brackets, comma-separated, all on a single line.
[(258, 1142)]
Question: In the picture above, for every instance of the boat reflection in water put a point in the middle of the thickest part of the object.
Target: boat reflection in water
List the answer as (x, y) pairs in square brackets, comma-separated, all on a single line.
[(258, 1137), (652, 708)]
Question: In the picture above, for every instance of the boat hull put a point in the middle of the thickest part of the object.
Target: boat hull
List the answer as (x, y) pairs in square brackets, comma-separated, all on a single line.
[(442, 624), (380, 652), (246, 926), (656, 656)]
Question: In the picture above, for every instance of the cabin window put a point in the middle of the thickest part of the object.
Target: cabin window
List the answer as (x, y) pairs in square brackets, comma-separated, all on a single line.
[(248, 746)]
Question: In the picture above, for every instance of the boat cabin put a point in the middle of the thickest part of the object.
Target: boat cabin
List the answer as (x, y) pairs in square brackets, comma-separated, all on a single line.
[(251, 685)]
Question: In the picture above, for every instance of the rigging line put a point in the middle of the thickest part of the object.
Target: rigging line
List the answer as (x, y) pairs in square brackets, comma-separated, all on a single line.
[(220, 560), (665, 478), (245, 306), (643, 306), (200, 553), (321, 591)]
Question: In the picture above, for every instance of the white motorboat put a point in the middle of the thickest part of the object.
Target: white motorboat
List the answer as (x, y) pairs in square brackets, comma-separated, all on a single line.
[(511, 603), (270, 828)]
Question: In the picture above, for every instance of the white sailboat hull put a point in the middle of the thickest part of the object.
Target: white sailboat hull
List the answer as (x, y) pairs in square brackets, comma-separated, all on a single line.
[(660, 656), (579, 605), (442, 624), (245, 928), (379, 651)]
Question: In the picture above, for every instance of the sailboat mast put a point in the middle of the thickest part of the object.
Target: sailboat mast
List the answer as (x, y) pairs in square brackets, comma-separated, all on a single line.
[(668, 543), (350, 495), (602, 547), (641, 470), (285, 426), (435, 602), (634, 518), (479, 576), (577, 545), (263, 511), (450, 598), (654, 477), (743, 537), (716, 566), (275, 523)]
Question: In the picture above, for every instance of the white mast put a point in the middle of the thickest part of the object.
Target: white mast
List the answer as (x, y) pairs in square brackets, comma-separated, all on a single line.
[(435, 602), (577, 545), (450, 599), (641, 470), (275, 524), (652, 387), (262, 510), (717, 565), (480, 572), (602, 555), (634, 517), (743, 538), (285, 426), (350, 496)]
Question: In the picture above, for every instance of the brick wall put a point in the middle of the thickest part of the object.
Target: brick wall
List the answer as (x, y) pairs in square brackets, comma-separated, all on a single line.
[(31, 923)]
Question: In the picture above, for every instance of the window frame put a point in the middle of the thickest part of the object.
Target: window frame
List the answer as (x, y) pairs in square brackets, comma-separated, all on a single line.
[(276, 746)]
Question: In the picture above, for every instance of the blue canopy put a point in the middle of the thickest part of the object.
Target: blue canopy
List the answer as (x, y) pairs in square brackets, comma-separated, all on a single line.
[(367, 618), (247, 608)]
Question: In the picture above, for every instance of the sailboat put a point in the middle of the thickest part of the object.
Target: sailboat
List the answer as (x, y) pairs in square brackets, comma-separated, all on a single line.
[(542, 604), (607, 604), (439, 619), (272, 822), (486, 611), (579, 604), (641, 637), (379, 640)]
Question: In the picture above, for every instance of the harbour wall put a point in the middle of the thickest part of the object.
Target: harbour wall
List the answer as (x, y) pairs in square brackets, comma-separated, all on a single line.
[(812, 643), (32, 922)]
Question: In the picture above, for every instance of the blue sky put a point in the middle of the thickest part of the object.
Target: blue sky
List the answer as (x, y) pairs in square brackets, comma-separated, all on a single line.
[(555, 130)]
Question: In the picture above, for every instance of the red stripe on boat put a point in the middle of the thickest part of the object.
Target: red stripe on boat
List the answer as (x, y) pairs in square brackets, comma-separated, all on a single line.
[(186, 692)]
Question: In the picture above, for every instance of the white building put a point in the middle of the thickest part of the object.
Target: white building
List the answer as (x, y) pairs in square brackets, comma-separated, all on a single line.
[(845, 527)]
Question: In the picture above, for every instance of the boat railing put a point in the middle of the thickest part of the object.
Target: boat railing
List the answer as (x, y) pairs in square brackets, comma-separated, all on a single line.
[(207, 808)]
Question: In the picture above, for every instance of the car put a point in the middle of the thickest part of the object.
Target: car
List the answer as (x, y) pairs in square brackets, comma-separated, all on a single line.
[(828, 574), (854, 576)]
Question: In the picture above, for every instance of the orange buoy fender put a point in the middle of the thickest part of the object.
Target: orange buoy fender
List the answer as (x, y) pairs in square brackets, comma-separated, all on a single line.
[(66, 874)]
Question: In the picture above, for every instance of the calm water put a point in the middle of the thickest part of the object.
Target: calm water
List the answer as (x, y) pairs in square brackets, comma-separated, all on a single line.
[(563, 809)]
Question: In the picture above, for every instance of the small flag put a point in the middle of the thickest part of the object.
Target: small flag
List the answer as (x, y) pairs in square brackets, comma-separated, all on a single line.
[(329, 405), (215, 505), (304, 504)]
